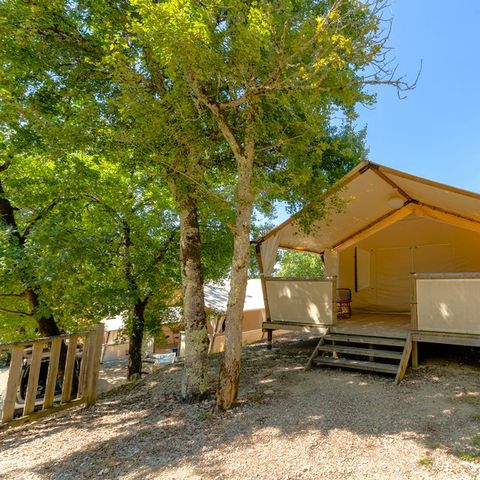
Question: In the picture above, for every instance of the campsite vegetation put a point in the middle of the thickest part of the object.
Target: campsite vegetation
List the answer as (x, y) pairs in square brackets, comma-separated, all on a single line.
[(132, 127)]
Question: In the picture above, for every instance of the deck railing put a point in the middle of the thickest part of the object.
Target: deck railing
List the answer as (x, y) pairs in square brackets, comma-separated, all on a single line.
[(301, 300), (446, 303), (51, 374)]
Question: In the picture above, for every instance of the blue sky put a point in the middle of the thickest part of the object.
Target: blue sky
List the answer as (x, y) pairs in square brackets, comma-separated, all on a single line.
[(435, 131)]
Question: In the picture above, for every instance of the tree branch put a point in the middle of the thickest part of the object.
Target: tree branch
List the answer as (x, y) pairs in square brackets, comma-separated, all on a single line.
[(15, 312), (39, 217), (6, 164), (218, 115), (8, 295)]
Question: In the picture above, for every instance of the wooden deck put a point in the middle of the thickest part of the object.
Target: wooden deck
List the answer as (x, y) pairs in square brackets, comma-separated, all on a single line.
[(360, 323), (366, 323)]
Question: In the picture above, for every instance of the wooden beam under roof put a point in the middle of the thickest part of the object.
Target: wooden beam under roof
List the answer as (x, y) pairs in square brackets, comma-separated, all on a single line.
[(383, 222), (413, 208), (436, 213)]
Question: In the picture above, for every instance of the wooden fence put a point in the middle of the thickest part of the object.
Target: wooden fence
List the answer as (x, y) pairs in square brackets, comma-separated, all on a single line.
[(38, 385)]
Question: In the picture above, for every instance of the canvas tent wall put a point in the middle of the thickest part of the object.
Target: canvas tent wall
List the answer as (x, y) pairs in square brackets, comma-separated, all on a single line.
[(383, 263), (389, 225)]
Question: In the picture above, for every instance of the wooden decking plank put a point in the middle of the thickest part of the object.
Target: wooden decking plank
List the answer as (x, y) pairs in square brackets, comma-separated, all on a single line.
[(33, 376), (381, 340), (447, 338), (358, 364), (55, 349), (402, 368), (314, 353), (366, 352), (69, 369), (305, 327), (12, 383), (360, 330)]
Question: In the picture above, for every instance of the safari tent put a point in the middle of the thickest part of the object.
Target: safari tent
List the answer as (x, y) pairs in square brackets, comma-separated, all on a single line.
[(404, 249), (216, 299)]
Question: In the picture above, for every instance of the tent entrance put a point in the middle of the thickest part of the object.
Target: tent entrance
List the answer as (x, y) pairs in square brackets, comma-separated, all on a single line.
[(380, 277)]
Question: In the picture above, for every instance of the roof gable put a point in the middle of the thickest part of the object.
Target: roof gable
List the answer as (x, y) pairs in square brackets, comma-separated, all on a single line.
[(374, 197)]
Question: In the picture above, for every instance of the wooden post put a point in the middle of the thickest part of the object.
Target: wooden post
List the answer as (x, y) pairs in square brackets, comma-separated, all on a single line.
[(402, 368), (218, 325), (265, 296), (69, 369), (94, 371), (334, 310), (414, 354), (12, 383), (82, 377), (413, 303), (55, 349), (414, 318), (32, 385), (314, 354), (334, 300), (182, 344), (371, 358)]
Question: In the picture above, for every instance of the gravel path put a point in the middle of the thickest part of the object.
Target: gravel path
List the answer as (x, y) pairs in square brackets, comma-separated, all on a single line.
[(289, 424)]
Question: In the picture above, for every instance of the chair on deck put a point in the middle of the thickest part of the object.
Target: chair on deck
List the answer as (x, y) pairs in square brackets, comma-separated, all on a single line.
[(344, 298)]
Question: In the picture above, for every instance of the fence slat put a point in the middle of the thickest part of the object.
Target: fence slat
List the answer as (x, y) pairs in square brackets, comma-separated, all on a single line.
[(69, 367), (83, 367), (32, 385), (87, 376), (95, 363), (12, 383), (52, 372)]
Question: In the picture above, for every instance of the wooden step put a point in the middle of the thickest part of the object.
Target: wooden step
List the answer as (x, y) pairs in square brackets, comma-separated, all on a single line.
[(366, 352), (357, 364), (352, 330), (338, 337)]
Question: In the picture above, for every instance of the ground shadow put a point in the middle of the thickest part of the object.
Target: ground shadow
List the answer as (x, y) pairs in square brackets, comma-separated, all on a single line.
[(151, 430)]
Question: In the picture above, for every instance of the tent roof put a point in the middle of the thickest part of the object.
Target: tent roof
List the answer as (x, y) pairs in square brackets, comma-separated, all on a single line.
[(216, 296), (367, 195), (114, 323)]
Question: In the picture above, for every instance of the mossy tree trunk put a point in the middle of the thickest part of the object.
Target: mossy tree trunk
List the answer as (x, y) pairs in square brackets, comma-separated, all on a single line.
[(195, 375), (229, 377)]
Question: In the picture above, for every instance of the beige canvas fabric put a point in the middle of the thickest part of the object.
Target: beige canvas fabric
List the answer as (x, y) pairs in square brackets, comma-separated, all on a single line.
[(302, 301), (437, 231), (450, 306), (268, 252), (364, 199), (413, 245)]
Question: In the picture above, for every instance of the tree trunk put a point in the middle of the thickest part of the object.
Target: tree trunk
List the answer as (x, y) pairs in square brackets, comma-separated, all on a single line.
[(230, 367), (195, 374), (46, 325), (136, 340)]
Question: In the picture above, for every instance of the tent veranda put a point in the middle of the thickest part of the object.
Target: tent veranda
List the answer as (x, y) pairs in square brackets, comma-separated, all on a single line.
[(408, 249)]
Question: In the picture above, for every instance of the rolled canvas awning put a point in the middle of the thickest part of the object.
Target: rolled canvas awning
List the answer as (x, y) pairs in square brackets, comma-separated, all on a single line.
[(371, 198)]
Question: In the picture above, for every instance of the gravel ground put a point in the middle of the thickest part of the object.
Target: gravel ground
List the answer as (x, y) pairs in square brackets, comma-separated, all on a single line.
[(288, 424)]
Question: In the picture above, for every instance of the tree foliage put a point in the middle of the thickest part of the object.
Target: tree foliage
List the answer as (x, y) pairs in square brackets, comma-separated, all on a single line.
[(299, 264), (208, 108)]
